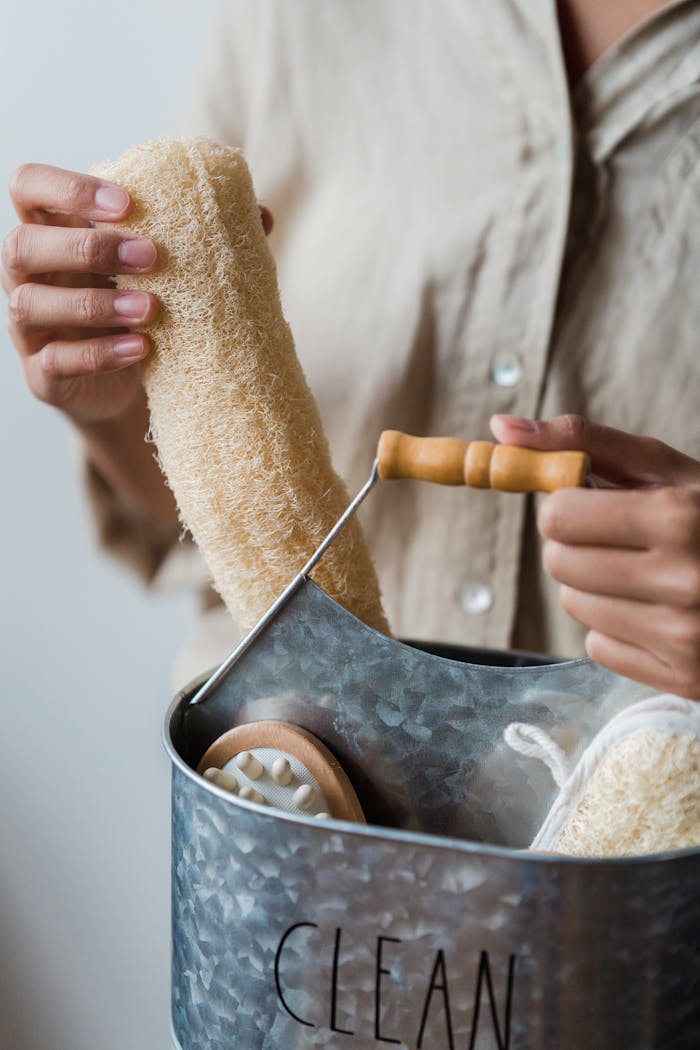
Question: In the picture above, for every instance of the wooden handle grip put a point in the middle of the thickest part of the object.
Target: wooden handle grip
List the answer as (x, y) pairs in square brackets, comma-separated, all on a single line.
[(516, 469), (425, 459), (481, 464)]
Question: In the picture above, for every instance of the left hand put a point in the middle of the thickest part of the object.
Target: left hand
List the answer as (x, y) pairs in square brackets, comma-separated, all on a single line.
[(628, 558)]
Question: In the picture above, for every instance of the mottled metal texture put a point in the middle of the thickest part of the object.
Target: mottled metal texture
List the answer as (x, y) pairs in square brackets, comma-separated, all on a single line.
[(411, 932)]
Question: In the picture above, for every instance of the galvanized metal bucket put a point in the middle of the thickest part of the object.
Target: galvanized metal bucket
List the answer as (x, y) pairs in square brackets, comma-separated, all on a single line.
[(290, 932)]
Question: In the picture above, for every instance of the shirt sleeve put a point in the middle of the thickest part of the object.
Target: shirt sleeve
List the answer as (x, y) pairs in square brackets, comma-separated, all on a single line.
[(139, 542)]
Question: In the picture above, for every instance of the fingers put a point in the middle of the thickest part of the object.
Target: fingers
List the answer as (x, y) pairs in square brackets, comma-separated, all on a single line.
[(35, 249), (667, 520), (672, 634), (631, 661), (52, 371), (267, 219), (644, 665), (645, 576), (641, 546), (42, 189), (598, 518), (647, 642), (624, 459), (629, 563), (48, 306), (600, 570)]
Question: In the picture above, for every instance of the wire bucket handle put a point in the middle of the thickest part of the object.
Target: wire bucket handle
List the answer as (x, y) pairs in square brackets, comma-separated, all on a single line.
[(443, 461)]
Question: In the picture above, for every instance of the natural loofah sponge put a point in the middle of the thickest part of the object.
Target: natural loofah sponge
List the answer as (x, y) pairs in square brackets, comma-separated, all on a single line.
[(238, 432), (643, 798), (636, 788)]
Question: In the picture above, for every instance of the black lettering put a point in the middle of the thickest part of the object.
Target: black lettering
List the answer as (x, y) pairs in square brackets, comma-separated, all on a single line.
[(287, 934), (334, 985), (485, 974), (439, 967), (378, 990)]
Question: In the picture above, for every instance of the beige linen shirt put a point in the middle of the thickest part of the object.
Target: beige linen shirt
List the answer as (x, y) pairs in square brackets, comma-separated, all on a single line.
[(457, 235)]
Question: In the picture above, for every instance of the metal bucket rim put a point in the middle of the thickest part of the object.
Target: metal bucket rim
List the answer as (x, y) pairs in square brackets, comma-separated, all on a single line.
[(556, 664), (399, 835)]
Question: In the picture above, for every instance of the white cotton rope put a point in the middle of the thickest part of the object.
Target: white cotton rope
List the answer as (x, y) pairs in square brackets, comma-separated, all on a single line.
[(532, 741), (238, 433)]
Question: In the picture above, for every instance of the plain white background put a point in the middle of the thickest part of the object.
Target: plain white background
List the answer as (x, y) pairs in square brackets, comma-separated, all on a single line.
[(86, 653)]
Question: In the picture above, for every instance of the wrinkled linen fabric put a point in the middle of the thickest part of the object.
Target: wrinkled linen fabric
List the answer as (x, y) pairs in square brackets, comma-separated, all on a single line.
[(457, 234)]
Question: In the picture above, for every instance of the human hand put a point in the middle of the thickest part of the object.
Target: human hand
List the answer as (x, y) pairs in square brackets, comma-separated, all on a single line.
[(68, 322), (628, 559), (71, 326)]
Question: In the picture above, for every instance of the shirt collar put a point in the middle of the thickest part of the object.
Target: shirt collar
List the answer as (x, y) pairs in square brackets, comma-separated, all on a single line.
[(643, 74)]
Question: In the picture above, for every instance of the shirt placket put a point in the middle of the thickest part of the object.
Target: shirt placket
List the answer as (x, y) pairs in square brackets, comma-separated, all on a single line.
[(507, 346)]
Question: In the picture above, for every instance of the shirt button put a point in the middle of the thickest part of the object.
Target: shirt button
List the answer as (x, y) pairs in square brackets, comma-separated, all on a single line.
[(507, 369), (475, 596)]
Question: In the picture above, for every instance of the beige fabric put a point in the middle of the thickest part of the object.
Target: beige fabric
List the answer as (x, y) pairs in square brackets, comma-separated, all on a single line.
[(238, 433), (437, 207), (143, 544)]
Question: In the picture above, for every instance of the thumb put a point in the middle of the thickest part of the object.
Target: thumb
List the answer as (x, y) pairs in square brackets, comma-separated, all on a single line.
[(267, 219), (616, 456)]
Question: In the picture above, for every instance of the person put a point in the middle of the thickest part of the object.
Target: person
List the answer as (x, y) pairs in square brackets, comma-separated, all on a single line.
[(482, 213)]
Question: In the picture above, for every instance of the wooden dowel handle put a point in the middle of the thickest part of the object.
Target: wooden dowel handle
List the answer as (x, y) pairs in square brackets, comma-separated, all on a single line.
[(481, 464), (425, 459), (516, 469)]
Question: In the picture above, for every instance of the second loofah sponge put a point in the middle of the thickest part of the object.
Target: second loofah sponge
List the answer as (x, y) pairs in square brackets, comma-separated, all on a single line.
[(635, 789), (238, 432)]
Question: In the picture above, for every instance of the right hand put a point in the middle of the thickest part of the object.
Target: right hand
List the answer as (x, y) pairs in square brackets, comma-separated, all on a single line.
[(71, 326)]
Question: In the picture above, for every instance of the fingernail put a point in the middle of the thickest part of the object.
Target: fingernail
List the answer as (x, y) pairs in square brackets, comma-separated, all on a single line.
[(139, 254), (134, 305), (527, 426), (130, 348), (111, 199)]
